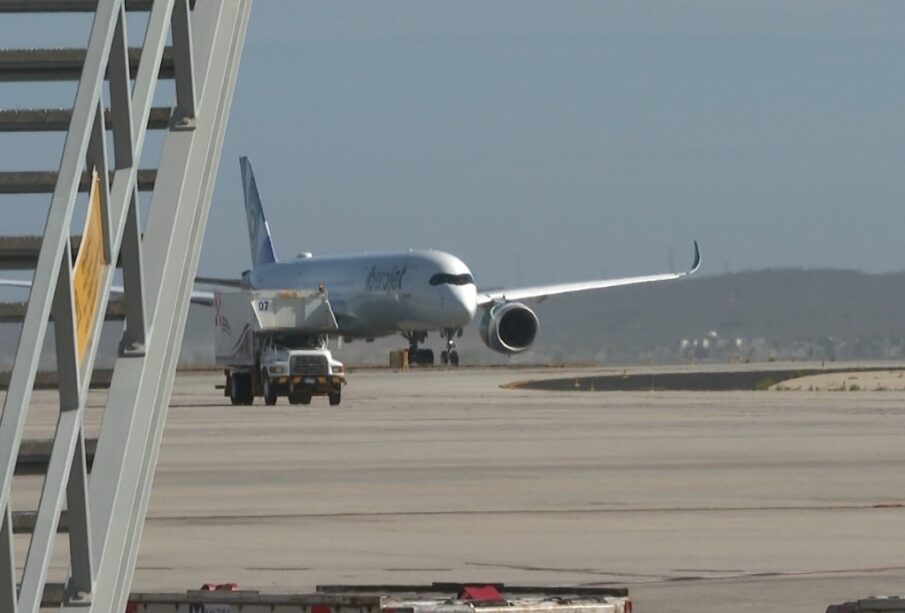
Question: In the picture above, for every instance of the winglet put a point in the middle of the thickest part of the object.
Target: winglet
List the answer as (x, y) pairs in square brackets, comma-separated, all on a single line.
[(697, 259)]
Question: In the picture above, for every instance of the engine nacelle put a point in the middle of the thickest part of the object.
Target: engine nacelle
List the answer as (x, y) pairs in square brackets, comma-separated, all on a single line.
[(509, 327)]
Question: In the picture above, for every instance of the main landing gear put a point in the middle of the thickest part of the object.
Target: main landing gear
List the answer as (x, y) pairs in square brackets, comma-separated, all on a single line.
[(450, 355), (425, 357), (418, 357)]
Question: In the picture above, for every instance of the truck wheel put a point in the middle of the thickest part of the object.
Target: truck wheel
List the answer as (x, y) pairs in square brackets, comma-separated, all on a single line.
[(270, 394), (247, 392), (235, 390), (335, 397), (305, 397)]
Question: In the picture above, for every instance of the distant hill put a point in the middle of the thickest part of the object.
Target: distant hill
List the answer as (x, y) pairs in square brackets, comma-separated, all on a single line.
[(778, 309), (820, 314)]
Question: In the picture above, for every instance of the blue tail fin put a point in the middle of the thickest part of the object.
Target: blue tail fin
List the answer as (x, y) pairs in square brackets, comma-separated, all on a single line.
[(258, 230)]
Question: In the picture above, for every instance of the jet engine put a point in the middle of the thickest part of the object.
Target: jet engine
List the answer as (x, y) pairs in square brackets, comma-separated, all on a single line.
[(509, 327)]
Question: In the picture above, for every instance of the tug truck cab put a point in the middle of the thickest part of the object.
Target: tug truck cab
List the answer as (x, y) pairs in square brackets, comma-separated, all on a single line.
[(298, 367), (273, 343)]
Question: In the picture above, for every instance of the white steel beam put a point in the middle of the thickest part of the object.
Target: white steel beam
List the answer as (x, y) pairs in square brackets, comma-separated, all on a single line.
[(121, 95), (81, 555), (96, 161), (146, 75), (53, 494), (183, 64), (8, 582), (133, 341), (68, 371)]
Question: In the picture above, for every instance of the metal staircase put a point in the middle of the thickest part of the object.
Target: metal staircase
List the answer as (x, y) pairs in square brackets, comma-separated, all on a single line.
[(106, 509)]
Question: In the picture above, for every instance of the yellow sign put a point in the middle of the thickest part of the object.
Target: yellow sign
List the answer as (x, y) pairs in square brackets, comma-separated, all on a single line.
[(88, 271)]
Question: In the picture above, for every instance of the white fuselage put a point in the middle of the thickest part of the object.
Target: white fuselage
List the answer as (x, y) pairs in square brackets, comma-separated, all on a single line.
[(380, 294)]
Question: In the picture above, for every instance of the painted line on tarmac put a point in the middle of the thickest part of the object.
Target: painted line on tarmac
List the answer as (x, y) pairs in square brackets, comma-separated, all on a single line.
[(229, 517), (683, 576), (782, 574)]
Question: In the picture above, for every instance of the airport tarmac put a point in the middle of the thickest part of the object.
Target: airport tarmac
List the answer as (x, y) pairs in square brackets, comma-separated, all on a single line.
[(741, 501)]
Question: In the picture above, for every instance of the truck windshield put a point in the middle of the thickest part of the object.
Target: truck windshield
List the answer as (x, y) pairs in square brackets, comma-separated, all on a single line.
[(294, 340)]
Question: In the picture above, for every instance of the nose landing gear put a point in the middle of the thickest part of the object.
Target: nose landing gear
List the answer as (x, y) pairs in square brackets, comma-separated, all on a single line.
[(450, 355)]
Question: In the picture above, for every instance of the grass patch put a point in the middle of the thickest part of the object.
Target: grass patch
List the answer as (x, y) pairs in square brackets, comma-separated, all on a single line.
[(764, 384)]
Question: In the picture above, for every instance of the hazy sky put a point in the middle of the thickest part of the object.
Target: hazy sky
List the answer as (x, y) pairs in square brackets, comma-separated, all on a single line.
[(560, 139)]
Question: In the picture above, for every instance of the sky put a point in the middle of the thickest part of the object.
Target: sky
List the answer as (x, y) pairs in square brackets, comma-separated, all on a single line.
[(551, 141)]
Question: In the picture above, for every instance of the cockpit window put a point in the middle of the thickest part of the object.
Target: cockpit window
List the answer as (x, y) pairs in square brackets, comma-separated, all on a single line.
[(443, 278)]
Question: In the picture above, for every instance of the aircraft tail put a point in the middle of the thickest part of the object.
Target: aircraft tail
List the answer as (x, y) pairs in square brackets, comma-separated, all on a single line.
[(258, 231)]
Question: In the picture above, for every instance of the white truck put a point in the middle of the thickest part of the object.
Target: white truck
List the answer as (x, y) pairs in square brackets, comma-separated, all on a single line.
[(273, 343)]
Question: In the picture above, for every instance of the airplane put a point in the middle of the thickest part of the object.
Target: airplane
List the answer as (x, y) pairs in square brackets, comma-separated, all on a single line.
[(411, 292)]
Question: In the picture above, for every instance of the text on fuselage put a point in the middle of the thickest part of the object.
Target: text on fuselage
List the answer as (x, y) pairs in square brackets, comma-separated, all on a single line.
[(385, 280)]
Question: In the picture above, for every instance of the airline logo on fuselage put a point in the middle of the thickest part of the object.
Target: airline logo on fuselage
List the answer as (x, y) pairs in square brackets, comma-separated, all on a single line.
[(385, 280)]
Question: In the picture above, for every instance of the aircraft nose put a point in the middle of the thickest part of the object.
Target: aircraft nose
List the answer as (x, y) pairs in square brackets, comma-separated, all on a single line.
[(462, 303)]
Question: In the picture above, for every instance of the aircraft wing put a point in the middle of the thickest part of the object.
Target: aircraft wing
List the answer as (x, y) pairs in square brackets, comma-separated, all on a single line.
[(198, 296), (15, 283), (219, 281), (545, 291)]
